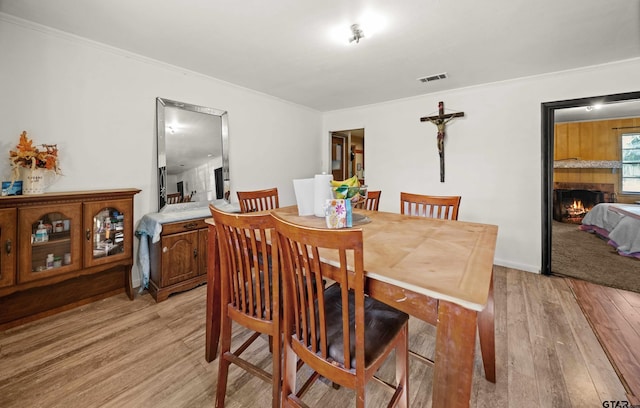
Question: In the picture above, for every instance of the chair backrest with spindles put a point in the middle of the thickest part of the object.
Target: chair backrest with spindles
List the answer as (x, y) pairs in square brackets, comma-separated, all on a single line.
[(372, 201), (443, 207), (258, 200)]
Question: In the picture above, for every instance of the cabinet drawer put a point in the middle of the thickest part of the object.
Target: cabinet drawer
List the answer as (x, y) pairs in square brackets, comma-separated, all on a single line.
[(183, 226)]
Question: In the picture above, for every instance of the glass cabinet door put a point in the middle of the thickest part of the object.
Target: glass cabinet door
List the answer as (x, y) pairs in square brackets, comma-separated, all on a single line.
[(51, 239), (107, 227)]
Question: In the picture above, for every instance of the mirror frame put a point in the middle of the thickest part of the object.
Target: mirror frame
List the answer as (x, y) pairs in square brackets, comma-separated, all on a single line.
[(161, 104), (548, 131)]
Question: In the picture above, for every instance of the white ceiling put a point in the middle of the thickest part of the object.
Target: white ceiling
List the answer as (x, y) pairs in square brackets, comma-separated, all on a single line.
[(283, 47), (611, 110)]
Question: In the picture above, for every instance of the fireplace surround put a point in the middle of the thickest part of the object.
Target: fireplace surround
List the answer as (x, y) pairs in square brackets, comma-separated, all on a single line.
[(572, 201)]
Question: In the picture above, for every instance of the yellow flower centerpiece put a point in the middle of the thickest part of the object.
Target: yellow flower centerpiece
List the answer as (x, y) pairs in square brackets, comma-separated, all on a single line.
[(34, 160)]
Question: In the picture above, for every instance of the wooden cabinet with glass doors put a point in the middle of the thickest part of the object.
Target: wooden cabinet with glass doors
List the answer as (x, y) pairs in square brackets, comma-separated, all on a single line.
[(67, 249)]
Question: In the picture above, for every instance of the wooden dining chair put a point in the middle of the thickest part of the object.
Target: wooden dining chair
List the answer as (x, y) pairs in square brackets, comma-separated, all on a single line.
[(258, 200), (173, 198), (443, 207), (250, 293), (337, 331), (372, 201)]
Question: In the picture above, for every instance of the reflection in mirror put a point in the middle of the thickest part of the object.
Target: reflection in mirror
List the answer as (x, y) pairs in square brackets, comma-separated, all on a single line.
[(193, 159)]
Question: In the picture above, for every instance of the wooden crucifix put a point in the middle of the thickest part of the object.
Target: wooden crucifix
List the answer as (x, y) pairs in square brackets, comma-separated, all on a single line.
[(440, 121)]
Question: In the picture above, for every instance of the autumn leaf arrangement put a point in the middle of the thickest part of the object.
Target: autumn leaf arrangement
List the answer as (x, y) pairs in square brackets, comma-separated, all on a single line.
[(29, 156)]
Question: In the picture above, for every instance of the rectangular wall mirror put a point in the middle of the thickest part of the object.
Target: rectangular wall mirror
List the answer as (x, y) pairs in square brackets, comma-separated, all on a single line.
[(193, 157)]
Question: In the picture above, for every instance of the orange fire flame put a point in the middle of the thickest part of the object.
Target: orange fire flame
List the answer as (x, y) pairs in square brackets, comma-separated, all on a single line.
[(577, 204), (577, 208)]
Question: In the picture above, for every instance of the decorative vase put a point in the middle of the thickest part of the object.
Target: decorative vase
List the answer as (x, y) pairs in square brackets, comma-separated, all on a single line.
[(34, 181)]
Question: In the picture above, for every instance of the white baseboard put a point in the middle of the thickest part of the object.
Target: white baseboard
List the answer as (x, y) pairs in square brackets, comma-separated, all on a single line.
[(519, 266)]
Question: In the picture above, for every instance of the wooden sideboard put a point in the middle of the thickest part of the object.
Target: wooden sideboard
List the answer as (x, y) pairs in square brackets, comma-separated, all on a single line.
[(86, 254)]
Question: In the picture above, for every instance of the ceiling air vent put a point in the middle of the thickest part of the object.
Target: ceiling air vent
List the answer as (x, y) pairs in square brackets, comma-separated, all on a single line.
[(432, 78)]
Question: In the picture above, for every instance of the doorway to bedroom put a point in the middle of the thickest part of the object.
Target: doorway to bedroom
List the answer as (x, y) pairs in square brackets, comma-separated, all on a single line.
[(581, 152)]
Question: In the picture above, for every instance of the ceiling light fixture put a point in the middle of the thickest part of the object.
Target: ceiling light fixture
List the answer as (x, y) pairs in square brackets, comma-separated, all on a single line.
[(368, 22), (356, 33)]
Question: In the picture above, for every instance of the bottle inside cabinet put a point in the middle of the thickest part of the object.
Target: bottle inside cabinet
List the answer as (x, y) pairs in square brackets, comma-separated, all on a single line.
[(50, 241), (108, 237)]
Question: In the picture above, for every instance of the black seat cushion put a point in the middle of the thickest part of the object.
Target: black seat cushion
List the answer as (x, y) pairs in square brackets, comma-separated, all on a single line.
[(382, 323)]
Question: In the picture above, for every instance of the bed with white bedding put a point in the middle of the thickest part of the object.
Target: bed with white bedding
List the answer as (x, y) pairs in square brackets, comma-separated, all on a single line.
[(618, 223)]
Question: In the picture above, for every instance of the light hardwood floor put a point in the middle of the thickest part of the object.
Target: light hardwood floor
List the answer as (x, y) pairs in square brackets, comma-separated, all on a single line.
[(614, 316), (121, 353)]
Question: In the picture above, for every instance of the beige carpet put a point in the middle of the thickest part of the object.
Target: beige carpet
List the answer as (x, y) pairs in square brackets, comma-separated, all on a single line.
[(585, 256)]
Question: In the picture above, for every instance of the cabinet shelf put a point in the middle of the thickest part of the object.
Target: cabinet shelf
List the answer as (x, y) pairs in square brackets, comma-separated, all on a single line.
[(52, 242)]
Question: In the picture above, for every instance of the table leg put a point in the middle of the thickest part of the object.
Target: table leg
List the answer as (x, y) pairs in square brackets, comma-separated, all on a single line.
[(486, 330), (213, 297), (455, 349)]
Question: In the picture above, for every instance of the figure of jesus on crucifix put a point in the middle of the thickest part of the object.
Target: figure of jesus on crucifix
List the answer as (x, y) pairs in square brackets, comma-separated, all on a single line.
[(440, 121)]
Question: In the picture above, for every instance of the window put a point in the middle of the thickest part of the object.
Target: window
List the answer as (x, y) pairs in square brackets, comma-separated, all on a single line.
[(631, 163)]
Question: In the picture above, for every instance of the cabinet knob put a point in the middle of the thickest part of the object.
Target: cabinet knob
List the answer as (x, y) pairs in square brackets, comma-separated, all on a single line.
[(195, 253), (8, 246), (88, 234), (165, 249)]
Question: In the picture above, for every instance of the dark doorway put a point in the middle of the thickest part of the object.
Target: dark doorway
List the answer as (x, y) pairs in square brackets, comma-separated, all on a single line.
[(180, 187), (339, 157)]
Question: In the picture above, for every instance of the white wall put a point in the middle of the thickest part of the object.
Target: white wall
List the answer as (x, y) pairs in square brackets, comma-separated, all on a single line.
[(200, 179), (493, 154), (98, 104)]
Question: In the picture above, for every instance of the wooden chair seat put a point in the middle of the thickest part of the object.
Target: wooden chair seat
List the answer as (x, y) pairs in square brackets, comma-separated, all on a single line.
[(381, 324)]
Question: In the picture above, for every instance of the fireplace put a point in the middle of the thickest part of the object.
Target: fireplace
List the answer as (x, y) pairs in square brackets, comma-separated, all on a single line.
[(572, 201)]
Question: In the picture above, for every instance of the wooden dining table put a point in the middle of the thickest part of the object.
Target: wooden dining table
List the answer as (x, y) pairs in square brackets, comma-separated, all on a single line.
[(439, 271)]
